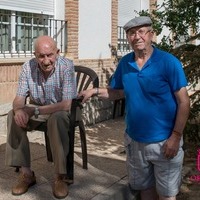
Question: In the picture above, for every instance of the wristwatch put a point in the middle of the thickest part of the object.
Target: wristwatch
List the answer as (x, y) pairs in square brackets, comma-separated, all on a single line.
[(36, 112)]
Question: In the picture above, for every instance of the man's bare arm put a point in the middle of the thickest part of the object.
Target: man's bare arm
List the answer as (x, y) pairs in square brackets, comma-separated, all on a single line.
[(105, 93)]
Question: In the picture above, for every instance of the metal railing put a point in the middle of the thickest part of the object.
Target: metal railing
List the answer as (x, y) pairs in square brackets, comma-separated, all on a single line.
[(123, 46), (17, 33)]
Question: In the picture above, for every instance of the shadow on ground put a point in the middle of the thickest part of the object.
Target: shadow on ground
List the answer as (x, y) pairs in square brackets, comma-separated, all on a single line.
[(102, 174)]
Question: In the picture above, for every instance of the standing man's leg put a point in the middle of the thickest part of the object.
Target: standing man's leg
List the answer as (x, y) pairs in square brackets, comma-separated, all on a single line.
[(140, 170), (149, 194), (167, 198), (168, 172)]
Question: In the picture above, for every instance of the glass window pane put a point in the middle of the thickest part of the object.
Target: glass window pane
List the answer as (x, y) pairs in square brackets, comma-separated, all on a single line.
[(29, 26), (18, 30), (5, 42)]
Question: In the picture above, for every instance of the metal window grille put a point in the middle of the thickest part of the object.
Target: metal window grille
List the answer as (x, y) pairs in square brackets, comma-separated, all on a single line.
[(123, 46), (18, 30)]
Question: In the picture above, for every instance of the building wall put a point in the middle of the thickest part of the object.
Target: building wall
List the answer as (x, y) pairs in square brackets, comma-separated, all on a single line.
[(10, 68), (94, 29), (9, 73), (103, 66), (35, 6), (128, 9)]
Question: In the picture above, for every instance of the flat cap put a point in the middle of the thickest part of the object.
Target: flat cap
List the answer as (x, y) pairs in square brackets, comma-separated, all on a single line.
[(137, 21)]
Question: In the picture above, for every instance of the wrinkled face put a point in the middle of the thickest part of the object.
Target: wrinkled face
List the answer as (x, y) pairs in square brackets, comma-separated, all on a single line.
[(46, 55), (140, 38)]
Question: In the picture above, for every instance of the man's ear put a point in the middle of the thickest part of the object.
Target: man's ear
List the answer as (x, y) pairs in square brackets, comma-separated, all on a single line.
[(58, 51)]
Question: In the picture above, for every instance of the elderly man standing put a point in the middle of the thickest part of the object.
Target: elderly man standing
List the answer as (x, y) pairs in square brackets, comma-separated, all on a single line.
[(49, 80), (157, 108)]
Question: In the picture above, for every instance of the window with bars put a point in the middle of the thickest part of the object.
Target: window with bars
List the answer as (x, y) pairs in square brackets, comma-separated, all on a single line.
[(123, 46), (18, 30)]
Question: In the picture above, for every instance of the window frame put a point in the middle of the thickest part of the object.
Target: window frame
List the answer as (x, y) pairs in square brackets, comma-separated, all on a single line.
[(20, 29)]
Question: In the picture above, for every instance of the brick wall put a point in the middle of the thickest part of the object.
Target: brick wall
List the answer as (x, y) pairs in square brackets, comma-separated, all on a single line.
[(72, 16), (153, 7), (9, 73), (152, 4)]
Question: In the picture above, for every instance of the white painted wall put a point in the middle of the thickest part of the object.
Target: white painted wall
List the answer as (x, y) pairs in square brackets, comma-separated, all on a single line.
[(59, 9), (94, 29), (165, 31), (59, 14), (127, 9)]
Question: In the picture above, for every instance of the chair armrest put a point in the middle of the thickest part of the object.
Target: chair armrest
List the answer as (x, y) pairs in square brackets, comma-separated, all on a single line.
[(77, 103)]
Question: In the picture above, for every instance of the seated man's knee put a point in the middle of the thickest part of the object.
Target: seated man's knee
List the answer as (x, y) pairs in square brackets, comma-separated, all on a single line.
[(10, 114), (59, 116)]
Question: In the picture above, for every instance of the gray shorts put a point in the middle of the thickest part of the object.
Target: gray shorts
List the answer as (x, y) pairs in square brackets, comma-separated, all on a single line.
[(147, 167)]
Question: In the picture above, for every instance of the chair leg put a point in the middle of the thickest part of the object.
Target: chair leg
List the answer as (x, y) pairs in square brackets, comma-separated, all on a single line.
[(83, 144), (122, 107), (70, 156), (17, 169), (48, 147), (122, 104), (114, 108)]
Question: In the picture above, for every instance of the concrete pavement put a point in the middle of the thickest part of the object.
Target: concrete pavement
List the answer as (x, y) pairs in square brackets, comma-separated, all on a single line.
[(105, 179)]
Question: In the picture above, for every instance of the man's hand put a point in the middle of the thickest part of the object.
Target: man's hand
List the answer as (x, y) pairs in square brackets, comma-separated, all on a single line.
[(171, 146), (86, 94), (23, 115), (21, 118)]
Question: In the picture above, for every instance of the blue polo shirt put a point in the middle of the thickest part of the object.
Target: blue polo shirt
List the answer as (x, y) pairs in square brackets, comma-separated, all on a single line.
[(150, 102)]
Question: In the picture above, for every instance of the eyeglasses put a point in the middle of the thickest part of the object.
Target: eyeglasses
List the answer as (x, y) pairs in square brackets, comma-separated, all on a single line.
[(140, 32)]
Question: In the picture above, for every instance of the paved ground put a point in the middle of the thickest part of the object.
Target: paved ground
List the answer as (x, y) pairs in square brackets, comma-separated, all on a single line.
[(190, 189), (106, 177)]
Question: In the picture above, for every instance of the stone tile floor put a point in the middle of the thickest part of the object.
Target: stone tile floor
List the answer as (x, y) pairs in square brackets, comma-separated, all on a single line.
[(106, 155), (105, 178)]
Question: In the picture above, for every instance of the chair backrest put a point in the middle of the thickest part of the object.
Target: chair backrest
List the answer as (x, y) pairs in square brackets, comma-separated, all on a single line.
[(85, 78)]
